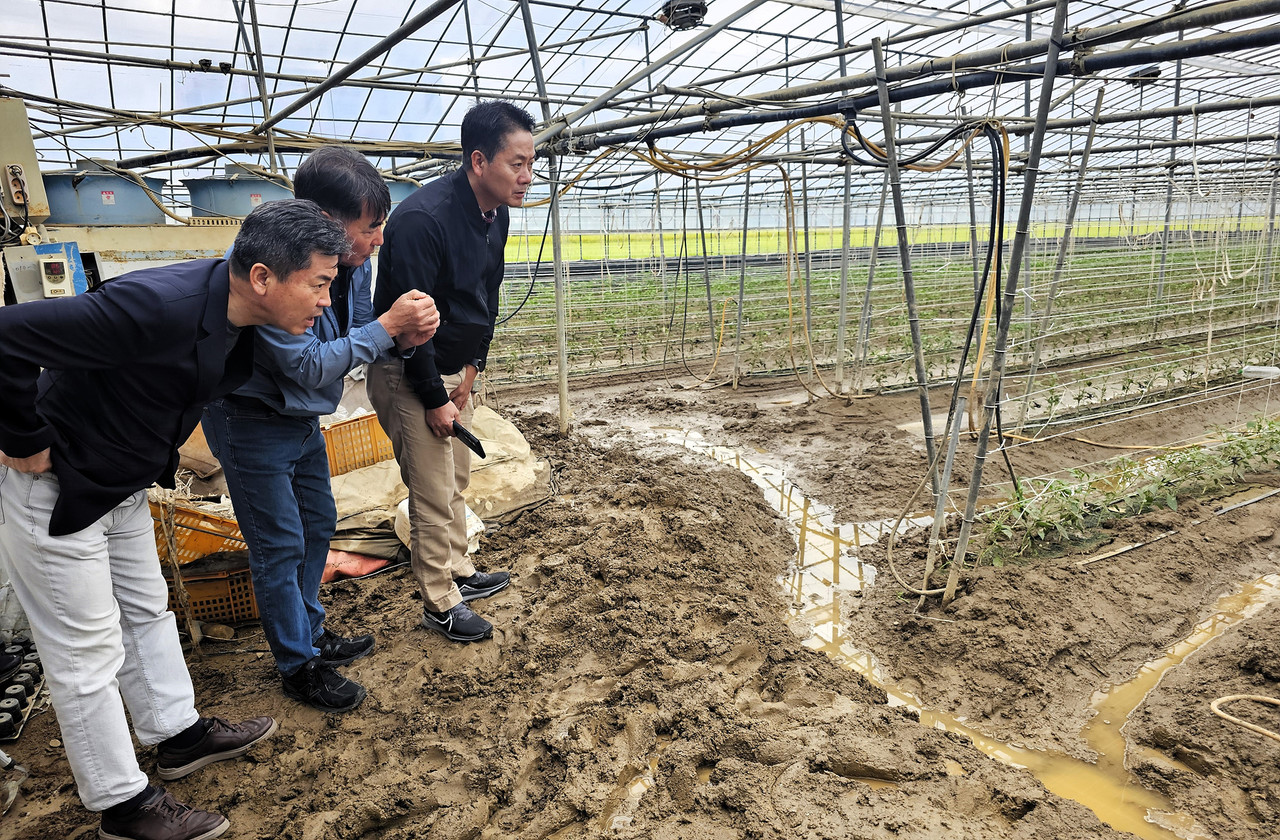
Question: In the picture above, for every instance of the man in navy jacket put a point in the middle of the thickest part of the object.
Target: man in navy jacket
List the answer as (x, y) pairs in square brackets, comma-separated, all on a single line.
[(127, 370)]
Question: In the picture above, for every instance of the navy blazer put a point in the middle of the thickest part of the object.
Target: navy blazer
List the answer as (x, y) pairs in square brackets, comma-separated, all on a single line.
[(128, 369)]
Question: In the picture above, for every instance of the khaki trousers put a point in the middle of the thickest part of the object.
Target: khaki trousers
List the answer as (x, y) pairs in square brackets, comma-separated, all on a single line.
[(436, 471)]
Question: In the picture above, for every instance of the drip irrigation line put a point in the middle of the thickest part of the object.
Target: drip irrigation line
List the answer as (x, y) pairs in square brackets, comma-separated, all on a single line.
[(1125, 549), (1136, 447), (1065, 420), (1216, 708), (1173, 446)]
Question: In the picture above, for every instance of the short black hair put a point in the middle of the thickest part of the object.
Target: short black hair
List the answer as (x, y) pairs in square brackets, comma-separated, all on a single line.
[(486, 126), (284, 235), (343, 183)]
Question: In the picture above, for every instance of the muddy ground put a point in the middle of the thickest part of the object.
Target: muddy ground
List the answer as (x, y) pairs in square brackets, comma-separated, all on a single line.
[(644, 682)]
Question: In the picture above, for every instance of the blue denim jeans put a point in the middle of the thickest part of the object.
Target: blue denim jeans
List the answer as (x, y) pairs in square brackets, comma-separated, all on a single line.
[(278, 475)]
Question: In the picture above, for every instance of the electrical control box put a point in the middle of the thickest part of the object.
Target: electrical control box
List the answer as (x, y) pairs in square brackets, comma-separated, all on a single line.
[(55, 277), (22, 193), (48, 271)]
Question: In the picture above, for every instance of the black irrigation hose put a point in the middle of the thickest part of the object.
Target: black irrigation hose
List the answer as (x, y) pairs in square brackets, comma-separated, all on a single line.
[(609, 187), (12, 235), (877, 159), (533, 277), (995, 244)]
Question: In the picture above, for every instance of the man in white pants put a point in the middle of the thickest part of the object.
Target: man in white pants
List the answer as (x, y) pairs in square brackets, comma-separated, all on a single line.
[(127, 370)]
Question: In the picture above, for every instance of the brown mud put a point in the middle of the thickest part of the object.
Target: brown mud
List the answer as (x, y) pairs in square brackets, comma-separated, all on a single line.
[(643, 681)]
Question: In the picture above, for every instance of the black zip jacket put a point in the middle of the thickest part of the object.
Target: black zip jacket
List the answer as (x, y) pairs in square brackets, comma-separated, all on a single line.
[(437, 242)]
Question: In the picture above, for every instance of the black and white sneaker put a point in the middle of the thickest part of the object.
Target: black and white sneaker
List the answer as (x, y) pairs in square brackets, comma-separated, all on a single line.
[(458, 624), (338, 650), (318, 684), (482, 585)]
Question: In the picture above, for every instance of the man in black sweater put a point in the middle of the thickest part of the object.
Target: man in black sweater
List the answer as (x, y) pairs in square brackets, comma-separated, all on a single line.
[(447, 240)]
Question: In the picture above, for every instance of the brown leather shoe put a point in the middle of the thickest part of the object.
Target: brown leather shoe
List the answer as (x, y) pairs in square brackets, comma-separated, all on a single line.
[(223, 740), (164, 818)]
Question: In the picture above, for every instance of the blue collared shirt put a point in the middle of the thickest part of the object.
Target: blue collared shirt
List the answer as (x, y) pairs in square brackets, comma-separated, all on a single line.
[(301, 375)]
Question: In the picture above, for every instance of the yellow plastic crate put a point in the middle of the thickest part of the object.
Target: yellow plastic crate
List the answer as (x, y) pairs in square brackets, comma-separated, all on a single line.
[(350, 444), (197, 533), (223, 597), (355, 443)]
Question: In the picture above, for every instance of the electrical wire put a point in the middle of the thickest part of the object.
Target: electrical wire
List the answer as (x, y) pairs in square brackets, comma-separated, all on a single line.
[(533, 276)]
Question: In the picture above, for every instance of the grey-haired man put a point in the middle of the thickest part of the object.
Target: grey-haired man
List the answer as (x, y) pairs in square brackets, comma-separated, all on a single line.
[(100, 390)]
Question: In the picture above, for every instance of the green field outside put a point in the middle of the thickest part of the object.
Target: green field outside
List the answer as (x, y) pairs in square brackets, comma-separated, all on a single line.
[(645, 245)]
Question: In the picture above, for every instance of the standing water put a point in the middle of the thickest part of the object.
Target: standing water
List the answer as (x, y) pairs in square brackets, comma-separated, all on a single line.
[(827, 563)]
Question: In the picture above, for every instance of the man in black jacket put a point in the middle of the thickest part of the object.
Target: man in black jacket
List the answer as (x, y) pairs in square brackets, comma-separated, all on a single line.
[(447, 240), (127, 371)]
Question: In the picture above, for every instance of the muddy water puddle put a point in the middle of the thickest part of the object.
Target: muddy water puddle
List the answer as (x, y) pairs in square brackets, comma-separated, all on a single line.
[(827, 564)]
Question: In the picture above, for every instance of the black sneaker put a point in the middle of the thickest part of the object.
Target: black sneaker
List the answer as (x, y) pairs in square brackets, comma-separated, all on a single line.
[(318, 684), (222, 740), (458, 624), (482, 584), (336, 650), (164, 818)]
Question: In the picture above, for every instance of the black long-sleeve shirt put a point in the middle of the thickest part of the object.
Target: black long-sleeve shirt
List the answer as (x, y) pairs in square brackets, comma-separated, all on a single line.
[(438, 242), (127, 369)]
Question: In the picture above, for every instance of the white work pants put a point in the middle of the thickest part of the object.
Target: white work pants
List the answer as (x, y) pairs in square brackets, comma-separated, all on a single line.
[(98, 607)]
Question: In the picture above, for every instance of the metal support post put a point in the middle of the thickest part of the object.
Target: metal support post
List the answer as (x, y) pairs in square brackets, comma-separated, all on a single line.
[(904, 256), (994, 381), (557, 255), (1026, 279), (471, 46), (808, 253), (562, 294), (843, 309), (950, 439), (842, 313), (706, 259), (1047, 316), (1269, 273), (260, 76), (863, 347), (1168, 191), (742, 282), (662, 243), (973, 214)]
